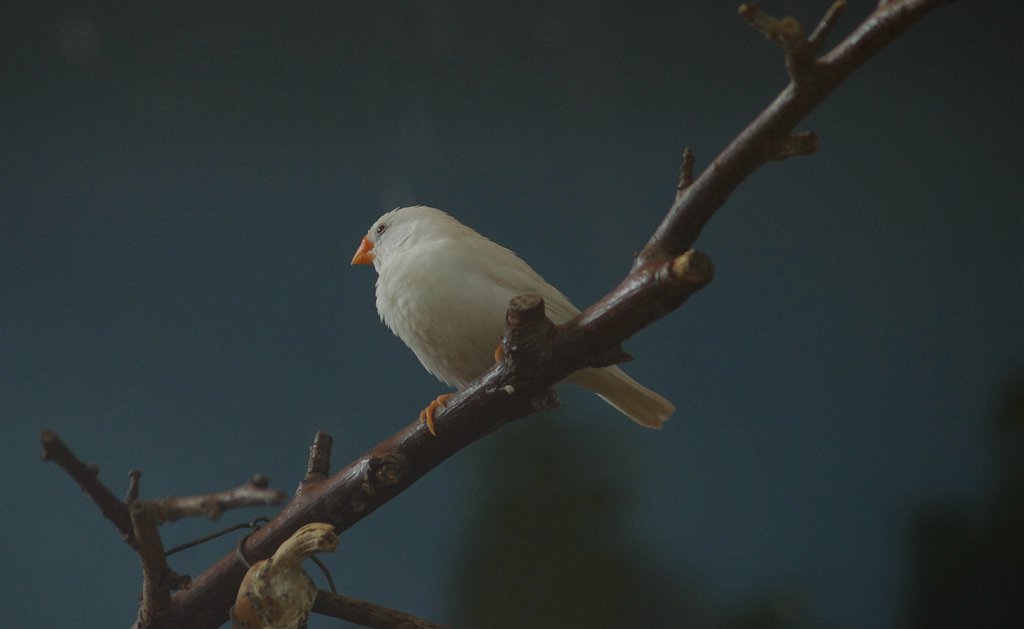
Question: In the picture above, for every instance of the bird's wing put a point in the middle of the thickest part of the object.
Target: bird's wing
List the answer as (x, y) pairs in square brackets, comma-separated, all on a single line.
[(511, 273)]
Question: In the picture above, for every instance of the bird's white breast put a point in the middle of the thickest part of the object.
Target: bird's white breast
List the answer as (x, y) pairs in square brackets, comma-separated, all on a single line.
[(438, 299)]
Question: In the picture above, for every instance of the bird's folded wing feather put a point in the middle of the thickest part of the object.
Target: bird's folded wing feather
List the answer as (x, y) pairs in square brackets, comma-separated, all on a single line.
[(516, 276)]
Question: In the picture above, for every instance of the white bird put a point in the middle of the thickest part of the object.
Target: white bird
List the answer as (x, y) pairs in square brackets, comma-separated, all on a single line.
[(443, 289)]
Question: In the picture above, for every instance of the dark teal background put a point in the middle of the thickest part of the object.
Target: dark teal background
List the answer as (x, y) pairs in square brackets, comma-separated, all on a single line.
[(182, 186)]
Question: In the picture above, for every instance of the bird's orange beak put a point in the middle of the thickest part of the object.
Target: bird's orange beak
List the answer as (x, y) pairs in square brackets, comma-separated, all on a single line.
[(364, 254)]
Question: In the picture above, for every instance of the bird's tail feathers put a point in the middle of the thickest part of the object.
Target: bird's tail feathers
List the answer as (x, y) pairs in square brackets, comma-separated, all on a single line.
[(628, 396)]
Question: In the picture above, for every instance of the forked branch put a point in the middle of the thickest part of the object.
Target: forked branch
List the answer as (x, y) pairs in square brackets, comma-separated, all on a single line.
[(138, 520), (86, 475), (538, 354), (770, 135), (647, 293), (658, 283)]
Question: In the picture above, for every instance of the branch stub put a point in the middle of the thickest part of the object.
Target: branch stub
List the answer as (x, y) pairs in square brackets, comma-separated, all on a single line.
[(319, 464), (693, 268), (525, 310)]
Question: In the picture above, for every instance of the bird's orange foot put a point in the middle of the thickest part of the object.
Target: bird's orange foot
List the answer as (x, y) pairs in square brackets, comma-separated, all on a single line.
[(499, 353), (427, 414)]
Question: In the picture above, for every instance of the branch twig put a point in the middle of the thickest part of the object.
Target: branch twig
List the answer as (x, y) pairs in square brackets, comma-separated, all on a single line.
[(825, 26), (319, 463), (253, 493), (138, 521), (798, 50), (87, 478), (685, 172), (768, 136)]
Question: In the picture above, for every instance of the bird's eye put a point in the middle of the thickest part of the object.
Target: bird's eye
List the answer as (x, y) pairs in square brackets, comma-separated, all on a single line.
[(381, 228)]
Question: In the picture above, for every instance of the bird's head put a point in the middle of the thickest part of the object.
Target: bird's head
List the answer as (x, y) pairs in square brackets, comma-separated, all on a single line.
[(402, 229)]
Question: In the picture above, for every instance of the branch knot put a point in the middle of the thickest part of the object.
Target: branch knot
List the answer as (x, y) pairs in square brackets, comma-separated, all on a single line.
[(387, 470), (693, 269)]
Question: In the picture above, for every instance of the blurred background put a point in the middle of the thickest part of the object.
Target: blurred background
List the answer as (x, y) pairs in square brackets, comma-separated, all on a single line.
[(182, 186)]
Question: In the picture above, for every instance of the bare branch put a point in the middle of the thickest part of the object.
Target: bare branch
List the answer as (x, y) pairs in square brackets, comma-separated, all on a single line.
[(87, 478), (157, 577), (510, 389), (138, 521), (825, 26), (367, 614), (765, 138), (537, 354), (158, 580), (132, 494), (253, 493), (799, 51)]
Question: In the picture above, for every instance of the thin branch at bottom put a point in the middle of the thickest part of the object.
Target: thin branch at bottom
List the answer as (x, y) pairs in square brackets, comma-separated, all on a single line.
[(367, 614)]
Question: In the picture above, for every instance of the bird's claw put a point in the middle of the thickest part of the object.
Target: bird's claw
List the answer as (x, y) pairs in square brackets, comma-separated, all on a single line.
[(427, 414)]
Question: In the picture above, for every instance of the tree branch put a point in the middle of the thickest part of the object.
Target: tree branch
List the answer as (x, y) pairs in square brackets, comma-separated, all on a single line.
[(157, 577), (158, 580), (252, 494), (367, 614), (647, 293), (138, 521), (767, 137), (87, 478), (538, 354)]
